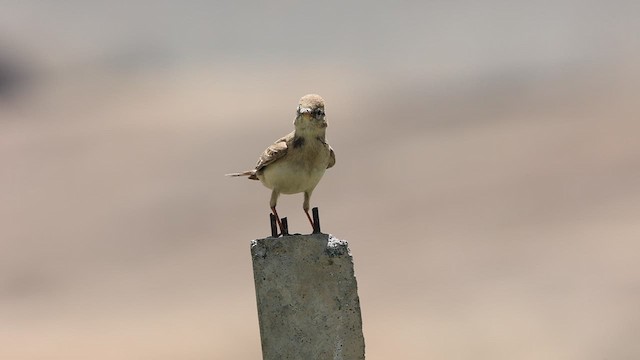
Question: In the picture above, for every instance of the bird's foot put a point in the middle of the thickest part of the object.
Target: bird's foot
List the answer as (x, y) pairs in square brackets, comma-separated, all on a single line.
[(285, 227), (315, 222), (281, 223)]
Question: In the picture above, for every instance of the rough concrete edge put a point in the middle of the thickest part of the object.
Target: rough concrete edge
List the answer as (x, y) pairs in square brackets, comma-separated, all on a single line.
[(335, 247)]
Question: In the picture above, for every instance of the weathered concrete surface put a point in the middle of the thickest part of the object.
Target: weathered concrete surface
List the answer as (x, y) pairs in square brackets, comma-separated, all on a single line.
[(307, 295)]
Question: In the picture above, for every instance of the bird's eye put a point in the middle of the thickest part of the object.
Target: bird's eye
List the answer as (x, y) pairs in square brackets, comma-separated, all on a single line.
[(319, 112)]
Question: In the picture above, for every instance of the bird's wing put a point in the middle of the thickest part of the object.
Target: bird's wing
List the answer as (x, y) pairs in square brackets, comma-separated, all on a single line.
[(332, 157), (274, 152)]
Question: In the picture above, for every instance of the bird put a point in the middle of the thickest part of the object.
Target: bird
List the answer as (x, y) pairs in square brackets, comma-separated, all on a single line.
[(296, 162)]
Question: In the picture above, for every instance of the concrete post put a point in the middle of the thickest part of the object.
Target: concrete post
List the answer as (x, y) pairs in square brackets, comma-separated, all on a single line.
[(307, 296)]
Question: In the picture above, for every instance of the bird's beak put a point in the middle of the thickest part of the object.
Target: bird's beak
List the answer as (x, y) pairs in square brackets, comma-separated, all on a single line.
[(304, 110)]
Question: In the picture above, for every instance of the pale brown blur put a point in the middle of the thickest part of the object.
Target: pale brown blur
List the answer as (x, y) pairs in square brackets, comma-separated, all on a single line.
[(487, 176)]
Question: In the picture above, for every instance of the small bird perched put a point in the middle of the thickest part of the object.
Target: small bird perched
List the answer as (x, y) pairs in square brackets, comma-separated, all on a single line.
[(296, 162)]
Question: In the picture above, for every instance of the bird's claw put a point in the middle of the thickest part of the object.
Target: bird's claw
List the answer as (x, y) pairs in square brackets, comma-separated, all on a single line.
[(282, 223), (284, 226)]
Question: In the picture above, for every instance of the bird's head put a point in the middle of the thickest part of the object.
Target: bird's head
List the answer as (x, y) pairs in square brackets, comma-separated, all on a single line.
[(310, 113)]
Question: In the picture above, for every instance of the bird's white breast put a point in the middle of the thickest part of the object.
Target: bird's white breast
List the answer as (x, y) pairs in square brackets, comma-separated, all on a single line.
[(299, 171)]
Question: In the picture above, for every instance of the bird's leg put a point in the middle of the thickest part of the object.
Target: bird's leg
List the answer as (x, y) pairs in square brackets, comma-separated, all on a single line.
[(305, 207), (274, 201), (275, 213), (309, 217)]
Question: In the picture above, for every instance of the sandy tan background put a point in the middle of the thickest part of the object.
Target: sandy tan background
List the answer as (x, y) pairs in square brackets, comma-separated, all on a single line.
[(488, 174)]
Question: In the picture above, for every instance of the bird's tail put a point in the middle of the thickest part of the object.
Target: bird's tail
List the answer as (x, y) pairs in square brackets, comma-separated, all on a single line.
[(250, 173)]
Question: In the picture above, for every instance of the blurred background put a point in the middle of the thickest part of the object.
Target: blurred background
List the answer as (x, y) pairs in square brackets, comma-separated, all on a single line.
[(487, 176)]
